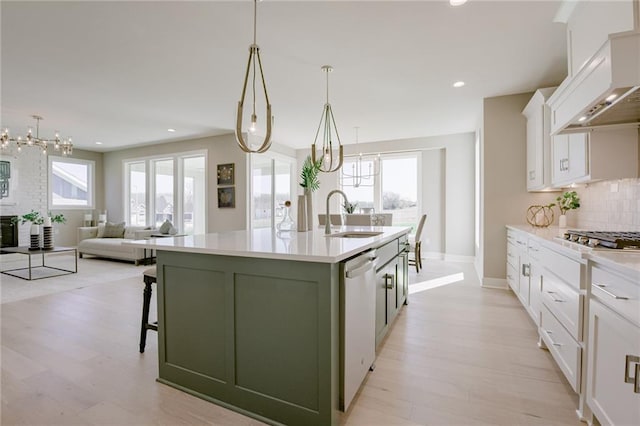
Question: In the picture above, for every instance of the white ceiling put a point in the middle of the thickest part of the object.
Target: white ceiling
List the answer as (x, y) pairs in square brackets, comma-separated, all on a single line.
[(123, 72)]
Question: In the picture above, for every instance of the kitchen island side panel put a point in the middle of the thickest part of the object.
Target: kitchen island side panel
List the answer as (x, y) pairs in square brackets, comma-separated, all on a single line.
[(260, 336)]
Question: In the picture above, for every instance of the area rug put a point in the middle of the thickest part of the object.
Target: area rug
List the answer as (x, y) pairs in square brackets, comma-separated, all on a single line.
[(91, 271)]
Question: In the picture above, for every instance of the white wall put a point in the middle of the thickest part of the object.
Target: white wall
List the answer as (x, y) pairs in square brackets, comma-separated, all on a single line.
[(30, 171), (504, 195), (448, 188), (220, 150)]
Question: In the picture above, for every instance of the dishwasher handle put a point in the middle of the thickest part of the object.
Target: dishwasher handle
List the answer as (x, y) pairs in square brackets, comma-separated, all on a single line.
[(361, 270)]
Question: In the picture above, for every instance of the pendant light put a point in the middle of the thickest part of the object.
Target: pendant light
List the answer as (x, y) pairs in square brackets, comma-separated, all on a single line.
[(254, 57), (358, 176), (329, 163)]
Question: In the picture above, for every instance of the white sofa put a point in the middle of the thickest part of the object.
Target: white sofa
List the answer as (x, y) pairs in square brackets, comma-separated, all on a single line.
[(89, 243)]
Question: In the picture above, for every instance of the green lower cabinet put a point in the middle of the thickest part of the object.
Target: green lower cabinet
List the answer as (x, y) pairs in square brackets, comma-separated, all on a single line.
[(392, 288), (260, 336)]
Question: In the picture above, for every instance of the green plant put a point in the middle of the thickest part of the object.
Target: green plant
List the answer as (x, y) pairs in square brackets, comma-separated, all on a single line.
[(568, 201), (33, 217), (58, 218), (309, 174), (349, 207)]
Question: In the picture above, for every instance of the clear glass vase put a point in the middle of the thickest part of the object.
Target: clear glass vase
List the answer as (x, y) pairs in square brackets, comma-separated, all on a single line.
[(287, 224)]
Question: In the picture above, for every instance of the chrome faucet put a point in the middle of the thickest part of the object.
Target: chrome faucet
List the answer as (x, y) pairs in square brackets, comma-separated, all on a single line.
[(327, 222)]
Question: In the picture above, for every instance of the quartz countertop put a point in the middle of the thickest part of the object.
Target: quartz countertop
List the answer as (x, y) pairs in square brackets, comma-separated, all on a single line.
[(310, 246), (626, 262)]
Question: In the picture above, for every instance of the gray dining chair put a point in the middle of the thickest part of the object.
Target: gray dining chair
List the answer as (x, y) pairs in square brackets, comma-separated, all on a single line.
[(415, 244)]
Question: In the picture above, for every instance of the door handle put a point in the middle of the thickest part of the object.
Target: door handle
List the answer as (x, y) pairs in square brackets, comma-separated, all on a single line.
[(608, 293), (628, 359), (386, 281)]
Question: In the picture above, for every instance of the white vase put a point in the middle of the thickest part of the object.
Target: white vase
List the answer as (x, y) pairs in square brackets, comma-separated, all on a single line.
[(34, 232), (562, 221)]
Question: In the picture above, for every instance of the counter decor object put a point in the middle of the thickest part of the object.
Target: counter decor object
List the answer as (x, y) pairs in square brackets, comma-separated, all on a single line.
[(310, 182), (287, 224), (34, 232), (540, 216), (567, 201), (302, 213)]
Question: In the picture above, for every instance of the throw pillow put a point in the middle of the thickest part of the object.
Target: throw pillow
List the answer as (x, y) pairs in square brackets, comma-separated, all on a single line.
[(113, 230), (167, 227), (100, 230)]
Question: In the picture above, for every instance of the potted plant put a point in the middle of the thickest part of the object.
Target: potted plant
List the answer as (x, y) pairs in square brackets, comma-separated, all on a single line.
[(310, 182), (349, 207), (36, 220), (567, 201)]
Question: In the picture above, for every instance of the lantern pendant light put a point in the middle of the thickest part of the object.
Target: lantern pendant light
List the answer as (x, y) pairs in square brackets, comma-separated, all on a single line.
[(254, 56), (329, 163)]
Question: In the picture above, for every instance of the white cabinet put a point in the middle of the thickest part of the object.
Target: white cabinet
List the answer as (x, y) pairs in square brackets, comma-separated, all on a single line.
[(524, 271), (613, 352), (570, 157), (538, 141), (596, 155)]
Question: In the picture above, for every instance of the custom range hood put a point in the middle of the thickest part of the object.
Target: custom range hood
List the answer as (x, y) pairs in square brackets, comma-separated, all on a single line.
[(605, 92)]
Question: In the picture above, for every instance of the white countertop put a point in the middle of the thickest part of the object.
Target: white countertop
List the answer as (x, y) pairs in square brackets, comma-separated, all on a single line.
[(310, 246), (625, 261)]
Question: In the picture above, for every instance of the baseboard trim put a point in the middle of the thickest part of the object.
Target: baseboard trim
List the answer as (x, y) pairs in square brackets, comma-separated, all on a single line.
[(498, 283)]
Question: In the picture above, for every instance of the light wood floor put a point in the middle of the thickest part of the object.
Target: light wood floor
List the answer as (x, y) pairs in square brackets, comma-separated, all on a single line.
[(457, 355)]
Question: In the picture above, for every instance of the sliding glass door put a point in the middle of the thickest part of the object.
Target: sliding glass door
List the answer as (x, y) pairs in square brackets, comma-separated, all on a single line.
[(271, 185)]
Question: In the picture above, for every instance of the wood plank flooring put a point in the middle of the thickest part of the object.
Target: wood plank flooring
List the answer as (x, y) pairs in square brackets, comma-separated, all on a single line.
[(457, 355)]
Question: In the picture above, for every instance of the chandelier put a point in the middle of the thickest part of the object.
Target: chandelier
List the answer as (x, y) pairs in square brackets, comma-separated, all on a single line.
[(254, 57), (329, 163), (363, 170), (61, 145)]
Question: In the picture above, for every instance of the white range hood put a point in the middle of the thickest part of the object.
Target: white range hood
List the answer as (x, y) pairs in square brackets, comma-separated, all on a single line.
[(605, 92)]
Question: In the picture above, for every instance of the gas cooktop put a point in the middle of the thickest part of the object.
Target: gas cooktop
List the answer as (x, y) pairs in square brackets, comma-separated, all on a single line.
[(605, 239)]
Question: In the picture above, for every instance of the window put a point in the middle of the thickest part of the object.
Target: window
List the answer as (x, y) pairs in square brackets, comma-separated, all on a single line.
[(169, 188), (394, 189), (71, 183), (271, 186)]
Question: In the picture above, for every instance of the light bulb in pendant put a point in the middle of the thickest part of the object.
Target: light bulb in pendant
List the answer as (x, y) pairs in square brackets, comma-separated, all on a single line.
[(252, 128)]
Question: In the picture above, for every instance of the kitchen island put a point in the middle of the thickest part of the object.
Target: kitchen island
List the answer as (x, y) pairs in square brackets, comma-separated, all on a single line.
[(254, 320)]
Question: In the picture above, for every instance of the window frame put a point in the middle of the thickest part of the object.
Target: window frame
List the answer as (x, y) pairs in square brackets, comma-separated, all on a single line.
[(91, 183), (178, 186)]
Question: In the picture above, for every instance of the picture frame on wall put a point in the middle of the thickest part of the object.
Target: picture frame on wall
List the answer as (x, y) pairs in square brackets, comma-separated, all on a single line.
[(227, 197), (226, 174)]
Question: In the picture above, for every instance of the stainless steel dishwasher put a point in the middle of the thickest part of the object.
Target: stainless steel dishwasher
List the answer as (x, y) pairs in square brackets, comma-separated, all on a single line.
[(358, 294)]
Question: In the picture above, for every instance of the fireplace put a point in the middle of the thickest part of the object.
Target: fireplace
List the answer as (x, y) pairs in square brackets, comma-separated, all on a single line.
[(8, 231)]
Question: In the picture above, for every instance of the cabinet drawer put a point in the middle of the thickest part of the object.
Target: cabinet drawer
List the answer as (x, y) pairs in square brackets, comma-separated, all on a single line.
[(567, 269), (512, 255), (565, 351), (386, 253), (617, 292), (533, 248), (564, 302)]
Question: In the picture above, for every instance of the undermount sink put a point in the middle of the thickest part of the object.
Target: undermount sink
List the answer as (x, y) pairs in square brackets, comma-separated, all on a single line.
[(356, 234)]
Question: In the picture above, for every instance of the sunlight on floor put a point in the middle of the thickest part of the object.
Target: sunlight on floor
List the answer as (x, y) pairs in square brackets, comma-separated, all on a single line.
[(436, 282)]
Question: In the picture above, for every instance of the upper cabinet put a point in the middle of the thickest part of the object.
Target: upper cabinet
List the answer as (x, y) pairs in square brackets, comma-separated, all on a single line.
[(538, 141), (589, 26), (596, 155)]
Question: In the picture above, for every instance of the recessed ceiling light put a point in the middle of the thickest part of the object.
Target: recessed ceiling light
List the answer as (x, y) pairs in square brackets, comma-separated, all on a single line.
[(581, 119), (611, 97), (457, 2), (458, 84), (171, 130), (98, 143)]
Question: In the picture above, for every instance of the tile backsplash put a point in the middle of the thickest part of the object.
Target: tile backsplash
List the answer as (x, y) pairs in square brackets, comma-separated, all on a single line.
[(605, 207)]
